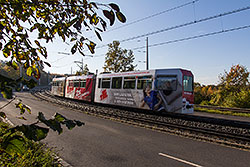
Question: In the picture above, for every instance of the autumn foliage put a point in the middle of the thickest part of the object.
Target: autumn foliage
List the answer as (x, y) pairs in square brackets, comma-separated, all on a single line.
[(25, 25), (232, 91)]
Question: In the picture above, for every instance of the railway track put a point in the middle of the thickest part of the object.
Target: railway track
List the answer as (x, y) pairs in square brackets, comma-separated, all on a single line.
[(234, 133), (239, 110)]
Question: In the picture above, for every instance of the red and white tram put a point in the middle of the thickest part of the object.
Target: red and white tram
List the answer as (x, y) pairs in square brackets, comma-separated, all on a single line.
[(162, 89), (169, 90), (80, 87)]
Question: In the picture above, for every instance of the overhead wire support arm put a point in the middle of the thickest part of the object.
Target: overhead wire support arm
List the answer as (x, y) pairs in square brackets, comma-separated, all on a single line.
[(81, 64), (64, 53)]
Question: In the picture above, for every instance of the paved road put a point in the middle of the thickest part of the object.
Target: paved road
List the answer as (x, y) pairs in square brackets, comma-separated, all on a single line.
[(107, 143)]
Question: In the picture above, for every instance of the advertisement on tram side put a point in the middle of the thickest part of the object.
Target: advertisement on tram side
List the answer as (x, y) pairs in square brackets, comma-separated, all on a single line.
[(156, 100), (159, 90), (79, 89)]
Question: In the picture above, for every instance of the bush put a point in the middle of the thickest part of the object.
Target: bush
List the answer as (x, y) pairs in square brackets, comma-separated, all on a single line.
[(34, 154), (205, 103), (240, 99), (197, 98)]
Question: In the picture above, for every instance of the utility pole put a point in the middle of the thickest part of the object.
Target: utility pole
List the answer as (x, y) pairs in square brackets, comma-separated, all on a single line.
[(82, 65), (147, 53)]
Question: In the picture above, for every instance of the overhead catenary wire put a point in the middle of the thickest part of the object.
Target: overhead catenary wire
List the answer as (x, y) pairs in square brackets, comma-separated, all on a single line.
[(194, 37), (151, 16), (59, 59), (188, 38), (65, 65), (189, 23), (154, 15), (182, 25)]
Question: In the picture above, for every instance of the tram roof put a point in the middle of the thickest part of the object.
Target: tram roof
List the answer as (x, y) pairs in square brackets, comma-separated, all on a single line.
[(80, 77), (141, 73), (59, 79)]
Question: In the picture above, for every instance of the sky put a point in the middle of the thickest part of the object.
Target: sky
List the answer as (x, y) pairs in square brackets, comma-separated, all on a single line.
[(207, 57)]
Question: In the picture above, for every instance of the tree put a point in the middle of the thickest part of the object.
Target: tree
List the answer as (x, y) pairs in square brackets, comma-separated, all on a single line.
[(235, 79), (210, 91), (203, 94), (118, 59), (47, 20), (197, 93), (233, 90), (238, 99)]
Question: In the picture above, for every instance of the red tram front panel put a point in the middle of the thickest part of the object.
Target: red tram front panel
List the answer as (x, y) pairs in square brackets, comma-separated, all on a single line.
[(80, 87), (188, 90)]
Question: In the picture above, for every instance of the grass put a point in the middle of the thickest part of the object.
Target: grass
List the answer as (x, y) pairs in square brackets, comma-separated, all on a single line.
[(35, 154), (222, 112)]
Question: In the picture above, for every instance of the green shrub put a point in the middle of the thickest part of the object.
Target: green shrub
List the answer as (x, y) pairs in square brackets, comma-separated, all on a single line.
[(205, 102), (33, 154), (240, 99), (197, 109)]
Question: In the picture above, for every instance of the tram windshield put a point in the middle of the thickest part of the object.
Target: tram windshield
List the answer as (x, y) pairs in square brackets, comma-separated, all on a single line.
[(188, 83), (166, 83)]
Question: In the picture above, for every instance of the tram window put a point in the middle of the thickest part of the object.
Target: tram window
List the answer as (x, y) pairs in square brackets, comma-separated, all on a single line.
[(117, 83), (76, 83), (99, 83), (166, 83), (188, 83), (60, 83), (71, 83), (106, 83), (83, 84), (143, 82), (129, 83)]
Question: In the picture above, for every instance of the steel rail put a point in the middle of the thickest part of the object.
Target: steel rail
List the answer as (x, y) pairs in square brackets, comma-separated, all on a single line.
[(212, 132), (146, 121)]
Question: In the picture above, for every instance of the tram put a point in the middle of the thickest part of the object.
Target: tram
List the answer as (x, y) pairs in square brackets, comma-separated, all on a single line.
[(169, 90), (161, 89), (80, 87), (58, 86)]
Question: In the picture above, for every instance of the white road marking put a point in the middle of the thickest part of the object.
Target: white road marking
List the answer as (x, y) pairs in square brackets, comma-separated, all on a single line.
[(180, 160)]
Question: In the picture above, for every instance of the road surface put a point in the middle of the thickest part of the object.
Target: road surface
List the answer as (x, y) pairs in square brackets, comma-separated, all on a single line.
[(102, 142)]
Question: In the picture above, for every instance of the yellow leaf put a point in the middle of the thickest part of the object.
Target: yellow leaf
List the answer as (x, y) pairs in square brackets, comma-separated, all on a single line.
[(29, 71)]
